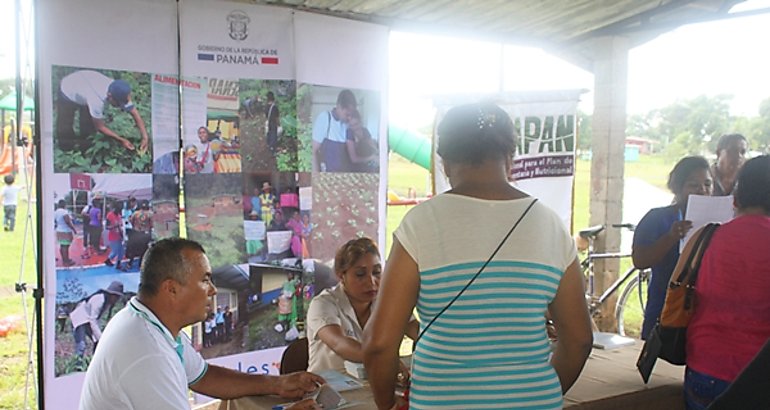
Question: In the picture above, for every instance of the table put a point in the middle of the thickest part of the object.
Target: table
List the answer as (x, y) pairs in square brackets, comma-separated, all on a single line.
[(608, 381)]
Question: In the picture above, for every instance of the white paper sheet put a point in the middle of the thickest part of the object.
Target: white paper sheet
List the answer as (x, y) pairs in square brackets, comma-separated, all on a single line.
[(702, 210)]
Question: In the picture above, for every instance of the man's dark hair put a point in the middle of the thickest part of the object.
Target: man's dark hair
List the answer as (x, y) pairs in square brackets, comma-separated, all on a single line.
[(726, 140), (8, 178), (61, 204), (164, 260), (474, 133), (270, 96), (346, 99), (753, 188), (682, 170)]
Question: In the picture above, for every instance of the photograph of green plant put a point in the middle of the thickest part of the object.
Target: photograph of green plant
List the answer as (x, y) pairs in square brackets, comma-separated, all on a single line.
[(95, 151)]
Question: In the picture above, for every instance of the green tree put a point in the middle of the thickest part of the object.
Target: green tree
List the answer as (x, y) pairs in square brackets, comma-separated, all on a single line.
[(585, 131), (698, 122), (760, 139)]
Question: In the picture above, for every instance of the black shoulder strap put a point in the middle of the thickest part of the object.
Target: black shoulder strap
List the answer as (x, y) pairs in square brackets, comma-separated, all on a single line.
[(708, 232), (693, 258), (698, 252), (477, 273)]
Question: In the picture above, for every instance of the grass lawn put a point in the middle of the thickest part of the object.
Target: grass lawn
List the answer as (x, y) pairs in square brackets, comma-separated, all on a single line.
[(14, 347), (403, 175)]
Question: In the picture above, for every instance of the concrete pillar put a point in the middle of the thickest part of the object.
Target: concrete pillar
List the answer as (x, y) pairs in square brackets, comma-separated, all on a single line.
[(608, 146)]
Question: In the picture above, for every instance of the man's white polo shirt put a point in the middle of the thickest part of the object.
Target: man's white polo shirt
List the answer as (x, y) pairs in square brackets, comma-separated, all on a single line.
[(139, 365)]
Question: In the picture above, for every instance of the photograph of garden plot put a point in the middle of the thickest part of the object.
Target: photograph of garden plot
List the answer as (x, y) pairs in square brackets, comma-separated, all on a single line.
[(345, 206), (268, 125), (102, 120), (214, 216)]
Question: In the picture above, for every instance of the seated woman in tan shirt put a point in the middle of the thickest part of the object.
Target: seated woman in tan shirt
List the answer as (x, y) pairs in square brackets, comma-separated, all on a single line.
[(337, 316)]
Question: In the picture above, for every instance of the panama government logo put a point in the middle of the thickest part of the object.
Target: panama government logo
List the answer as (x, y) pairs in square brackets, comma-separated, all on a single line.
[(238, 22)]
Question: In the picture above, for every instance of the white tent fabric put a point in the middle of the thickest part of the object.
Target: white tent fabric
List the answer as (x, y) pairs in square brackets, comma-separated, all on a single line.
[(114, 186), (123, 186)]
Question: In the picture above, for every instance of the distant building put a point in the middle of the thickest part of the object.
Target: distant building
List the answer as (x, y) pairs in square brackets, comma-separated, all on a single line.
[(646, 146)]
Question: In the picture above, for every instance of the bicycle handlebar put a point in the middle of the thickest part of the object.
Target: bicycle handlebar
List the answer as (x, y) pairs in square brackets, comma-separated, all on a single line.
[(628, 226), (592, 232)]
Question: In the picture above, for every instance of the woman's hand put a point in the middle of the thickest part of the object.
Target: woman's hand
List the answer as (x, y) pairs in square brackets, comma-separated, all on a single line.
[(403, 375), (679, 229), (126, 144), (400, 403)]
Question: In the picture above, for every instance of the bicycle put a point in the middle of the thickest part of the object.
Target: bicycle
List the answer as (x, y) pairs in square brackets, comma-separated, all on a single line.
[(629, 309)]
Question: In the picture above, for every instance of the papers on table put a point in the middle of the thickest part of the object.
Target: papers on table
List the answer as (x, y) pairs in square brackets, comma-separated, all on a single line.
[(607, 341), (702, 210), (356, 370), (328, 394), (338, 381)]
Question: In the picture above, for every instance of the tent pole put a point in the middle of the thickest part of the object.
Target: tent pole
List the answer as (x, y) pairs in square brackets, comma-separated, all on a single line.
[(19, 91)]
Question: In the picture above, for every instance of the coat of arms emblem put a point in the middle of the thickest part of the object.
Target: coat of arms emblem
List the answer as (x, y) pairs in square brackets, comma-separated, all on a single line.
[(238, 22)]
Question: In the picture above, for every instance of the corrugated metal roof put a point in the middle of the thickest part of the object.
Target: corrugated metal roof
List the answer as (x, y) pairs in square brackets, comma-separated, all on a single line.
[(551, 24)]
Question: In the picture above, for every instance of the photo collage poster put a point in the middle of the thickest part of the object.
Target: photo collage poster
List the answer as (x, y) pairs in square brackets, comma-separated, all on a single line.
[(110, 188), (292, 217), (118, 142), (270, 220)]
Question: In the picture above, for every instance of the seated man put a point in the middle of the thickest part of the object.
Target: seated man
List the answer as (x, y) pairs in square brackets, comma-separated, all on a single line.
[(145, 361)]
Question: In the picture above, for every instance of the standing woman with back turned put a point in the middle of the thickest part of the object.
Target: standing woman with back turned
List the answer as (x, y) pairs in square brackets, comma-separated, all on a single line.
[(489, 349)]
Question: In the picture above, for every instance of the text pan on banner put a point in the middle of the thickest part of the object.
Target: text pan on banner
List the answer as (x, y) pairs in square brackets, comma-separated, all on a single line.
[(546, 132)]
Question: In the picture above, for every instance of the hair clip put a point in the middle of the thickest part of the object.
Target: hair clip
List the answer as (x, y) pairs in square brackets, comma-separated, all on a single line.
[(486, 120)]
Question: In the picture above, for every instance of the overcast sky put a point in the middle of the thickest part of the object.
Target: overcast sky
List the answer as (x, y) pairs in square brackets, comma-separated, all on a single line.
[(728, 56)]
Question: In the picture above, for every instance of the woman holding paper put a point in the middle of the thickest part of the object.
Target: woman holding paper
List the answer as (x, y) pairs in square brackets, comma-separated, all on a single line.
[(337, 316), (732, 313), (657, 236), (489, 348)]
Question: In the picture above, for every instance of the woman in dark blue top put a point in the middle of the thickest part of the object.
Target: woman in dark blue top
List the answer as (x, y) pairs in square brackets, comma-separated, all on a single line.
[(657, 236)]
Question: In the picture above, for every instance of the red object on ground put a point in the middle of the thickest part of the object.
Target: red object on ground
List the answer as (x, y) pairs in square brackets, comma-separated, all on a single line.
[(8, 324)]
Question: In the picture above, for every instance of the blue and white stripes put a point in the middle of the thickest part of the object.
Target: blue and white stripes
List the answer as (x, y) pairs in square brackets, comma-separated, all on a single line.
[(489, 349)]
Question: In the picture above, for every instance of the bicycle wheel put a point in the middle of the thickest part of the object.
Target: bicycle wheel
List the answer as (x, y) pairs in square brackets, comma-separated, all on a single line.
[(629, 312)]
